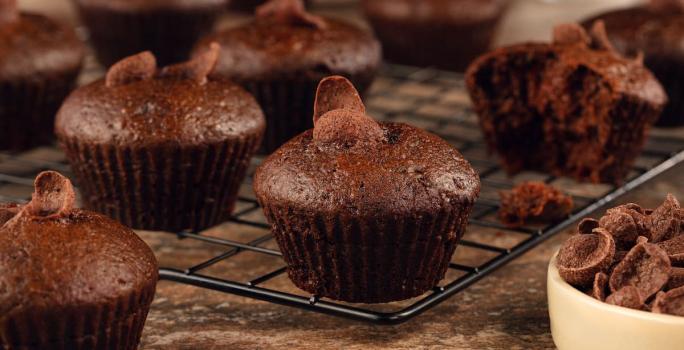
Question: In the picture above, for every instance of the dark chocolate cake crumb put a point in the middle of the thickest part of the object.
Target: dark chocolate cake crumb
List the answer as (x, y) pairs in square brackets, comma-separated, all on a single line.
[(533, 202)]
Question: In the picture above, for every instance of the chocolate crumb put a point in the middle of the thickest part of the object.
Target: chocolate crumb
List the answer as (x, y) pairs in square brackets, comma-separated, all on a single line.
[(533, 202)]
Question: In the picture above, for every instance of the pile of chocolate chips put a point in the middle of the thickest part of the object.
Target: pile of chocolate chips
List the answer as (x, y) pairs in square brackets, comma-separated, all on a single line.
[(631, 257)]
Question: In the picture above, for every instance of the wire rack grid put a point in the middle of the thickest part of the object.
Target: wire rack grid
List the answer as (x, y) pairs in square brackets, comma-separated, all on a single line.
[(429, 99)]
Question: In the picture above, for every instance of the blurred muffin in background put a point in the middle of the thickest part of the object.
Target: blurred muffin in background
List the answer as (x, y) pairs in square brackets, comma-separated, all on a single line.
[(446, 34), (657, 31), (282, 55), (168, 28), (250, 5), (39, 62)]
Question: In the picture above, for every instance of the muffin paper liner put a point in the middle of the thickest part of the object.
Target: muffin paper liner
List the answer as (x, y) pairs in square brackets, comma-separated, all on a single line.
[(288, 106), (28, 108), (170, 35), (170, 188), (115, 326), (371, 260), (670, 73)]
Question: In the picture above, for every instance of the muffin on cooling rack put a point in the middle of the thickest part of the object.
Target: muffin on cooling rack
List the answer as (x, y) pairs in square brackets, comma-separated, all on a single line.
[(168, 28), (70, 278), (282, 55), (161, 149), (250, 5), (445, 34), (573, 107), (365, 211), (657, 31), (39, 62)]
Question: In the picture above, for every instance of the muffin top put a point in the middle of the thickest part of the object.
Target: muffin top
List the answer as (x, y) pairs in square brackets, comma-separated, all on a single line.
[(138, 105), (352, 164), (149, 5), (654, 29), (32, 45), (575, 48), (432, 11), (285, 40), (54, 257)]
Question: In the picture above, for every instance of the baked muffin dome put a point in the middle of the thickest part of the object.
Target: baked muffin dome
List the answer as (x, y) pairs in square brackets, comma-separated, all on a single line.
[(365, 211), (283, 54), (39, 62), (573, 107), (164, 149), (446, 34), (70, 278), (168, 28), (656, 32)]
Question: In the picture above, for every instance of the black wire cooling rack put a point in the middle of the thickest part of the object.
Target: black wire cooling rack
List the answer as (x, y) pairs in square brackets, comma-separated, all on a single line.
[(429, 99)]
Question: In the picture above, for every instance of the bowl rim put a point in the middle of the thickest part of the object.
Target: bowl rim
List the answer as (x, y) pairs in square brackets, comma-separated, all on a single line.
[(555, 278)]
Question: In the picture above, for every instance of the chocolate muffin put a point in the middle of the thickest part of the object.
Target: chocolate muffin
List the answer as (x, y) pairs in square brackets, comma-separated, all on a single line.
[(161, 150), (168, 28), (365, 211), (39, 62), (445, 34), (573, 107), (250, 5), (70, 278), (656, 30), (283, 54)]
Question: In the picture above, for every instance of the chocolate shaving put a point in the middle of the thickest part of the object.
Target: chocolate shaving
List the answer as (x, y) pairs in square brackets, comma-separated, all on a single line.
[(131, 69), (570, 34), (53, 195), (599, 37), (646, 267), (336, 92), (671, 302), (600, 286), (340, 118), (290, 12), (533, 202), (665, 221), (587, 225), (628, 297), (676, 278), (583, 256), (8, 11), (674, 249), (198, 68)]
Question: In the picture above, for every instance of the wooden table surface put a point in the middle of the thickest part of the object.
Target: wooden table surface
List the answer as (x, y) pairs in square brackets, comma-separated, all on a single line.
[(506, 310)]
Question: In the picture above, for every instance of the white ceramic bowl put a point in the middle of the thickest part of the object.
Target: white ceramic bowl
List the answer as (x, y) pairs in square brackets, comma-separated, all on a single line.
[(580, 322)]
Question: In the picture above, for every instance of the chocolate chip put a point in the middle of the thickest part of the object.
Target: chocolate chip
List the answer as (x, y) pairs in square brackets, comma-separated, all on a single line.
[(198, 68), (600, 286), (671, 302), (583, 256), (665, 220), (130, 69), (675, 249), (646, 267), (628, 297), (587, 225)]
